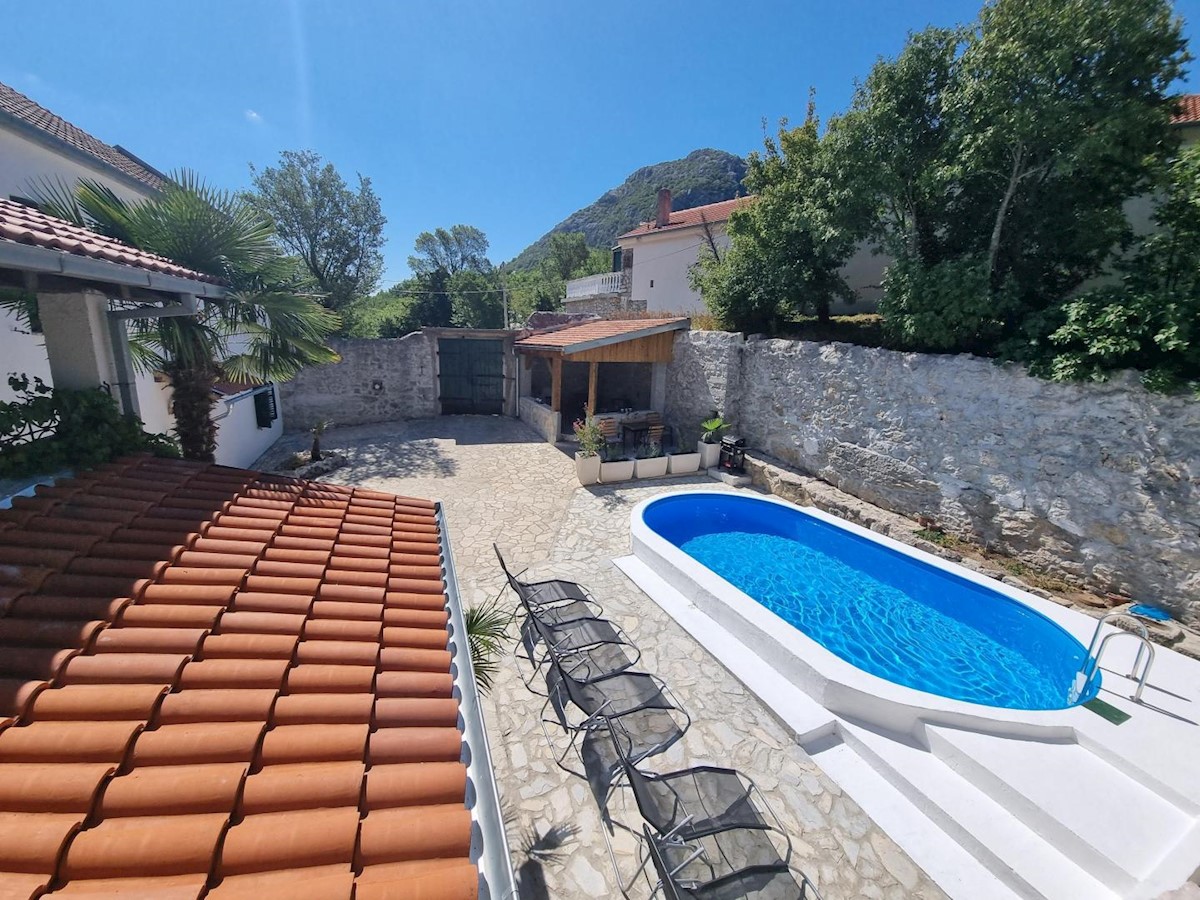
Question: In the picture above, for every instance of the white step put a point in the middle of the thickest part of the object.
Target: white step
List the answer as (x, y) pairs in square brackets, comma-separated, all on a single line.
[(1014, 853), (1113, 826), (953, 867)]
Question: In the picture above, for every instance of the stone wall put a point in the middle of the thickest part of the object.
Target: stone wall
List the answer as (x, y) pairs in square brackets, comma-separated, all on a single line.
[(376, 381), (1100, 483), (540, 418)]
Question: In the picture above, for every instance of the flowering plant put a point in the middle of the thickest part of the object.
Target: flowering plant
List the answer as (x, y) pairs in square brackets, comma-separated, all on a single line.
[(589, 435)]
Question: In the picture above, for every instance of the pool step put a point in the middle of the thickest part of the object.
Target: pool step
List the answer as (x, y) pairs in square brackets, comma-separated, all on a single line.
[(1020, 858), (1105, 821)]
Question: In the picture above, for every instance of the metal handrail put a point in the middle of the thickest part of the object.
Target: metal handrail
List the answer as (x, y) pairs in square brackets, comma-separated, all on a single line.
[(1091, 664)]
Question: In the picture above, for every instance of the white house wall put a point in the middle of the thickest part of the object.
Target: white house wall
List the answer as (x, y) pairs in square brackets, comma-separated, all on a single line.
[(25, 162), (661, 267), (239, 439), (21, 353)]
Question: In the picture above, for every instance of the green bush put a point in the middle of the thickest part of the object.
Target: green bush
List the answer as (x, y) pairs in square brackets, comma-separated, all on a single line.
[(944, 307), (47, 429)]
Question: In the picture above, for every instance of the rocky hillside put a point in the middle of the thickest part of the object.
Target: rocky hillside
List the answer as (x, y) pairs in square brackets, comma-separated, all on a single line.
[(703, 176)]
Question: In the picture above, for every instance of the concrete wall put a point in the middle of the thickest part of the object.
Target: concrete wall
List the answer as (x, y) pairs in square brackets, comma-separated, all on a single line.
[(540, 418), (1099, 483)]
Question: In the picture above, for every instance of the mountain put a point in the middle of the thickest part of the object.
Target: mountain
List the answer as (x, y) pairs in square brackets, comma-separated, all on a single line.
[(701, 177)]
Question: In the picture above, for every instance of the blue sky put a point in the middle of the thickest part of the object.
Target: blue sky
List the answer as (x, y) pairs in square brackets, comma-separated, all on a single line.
[(507, 116)]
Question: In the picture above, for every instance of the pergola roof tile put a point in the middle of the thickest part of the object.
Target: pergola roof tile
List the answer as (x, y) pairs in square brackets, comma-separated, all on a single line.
[(592, 334)]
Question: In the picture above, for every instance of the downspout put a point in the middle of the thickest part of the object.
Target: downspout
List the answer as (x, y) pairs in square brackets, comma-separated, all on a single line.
[(489, 843), (119, 337)]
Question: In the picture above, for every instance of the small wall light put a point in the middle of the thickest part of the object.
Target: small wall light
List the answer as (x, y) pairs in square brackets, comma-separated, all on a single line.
[(377, 386)]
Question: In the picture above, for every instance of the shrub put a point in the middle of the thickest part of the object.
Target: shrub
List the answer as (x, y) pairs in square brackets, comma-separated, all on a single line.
[(589, 435), (944, 307), (47, 429)]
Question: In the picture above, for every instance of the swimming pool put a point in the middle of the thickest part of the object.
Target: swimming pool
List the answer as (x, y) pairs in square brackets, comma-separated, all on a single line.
[(884, 611)]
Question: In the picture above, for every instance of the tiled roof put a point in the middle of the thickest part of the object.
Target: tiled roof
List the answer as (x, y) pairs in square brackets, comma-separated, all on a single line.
[(1188, 110), (602, 330), (24, 225), (21, 107), (686, 218), (214, 680)]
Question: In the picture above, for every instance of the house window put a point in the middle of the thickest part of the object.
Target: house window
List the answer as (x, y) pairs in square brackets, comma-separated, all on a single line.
[(265, 409), (651, 282)]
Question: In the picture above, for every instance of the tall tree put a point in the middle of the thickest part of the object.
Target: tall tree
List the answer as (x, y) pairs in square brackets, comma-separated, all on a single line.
[(462, 248), (997, 158), (336, 232), (788, 245), (262, 331)]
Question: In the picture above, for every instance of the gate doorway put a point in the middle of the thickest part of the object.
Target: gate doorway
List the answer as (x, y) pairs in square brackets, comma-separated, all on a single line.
[(471, 376)]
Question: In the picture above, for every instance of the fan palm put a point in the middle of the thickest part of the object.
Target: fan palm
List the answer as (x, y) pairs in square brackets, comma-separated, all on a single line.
[(262, 330)]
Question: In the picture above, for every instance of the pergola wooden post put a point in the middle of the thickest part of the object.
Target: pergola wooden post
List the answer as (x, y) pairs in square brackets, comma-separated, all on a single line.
[(593, 372), (556, 383)]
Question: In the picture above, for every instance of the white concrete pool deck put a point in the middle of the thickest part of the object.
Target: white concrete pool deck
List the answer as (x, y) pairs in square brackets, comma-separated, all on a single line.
[(1059, 804)]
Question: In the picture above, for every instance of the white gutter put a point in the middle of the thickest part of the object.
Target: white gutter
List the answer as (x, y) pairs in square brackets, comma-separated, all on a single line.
[(45, 261), (489, 843)]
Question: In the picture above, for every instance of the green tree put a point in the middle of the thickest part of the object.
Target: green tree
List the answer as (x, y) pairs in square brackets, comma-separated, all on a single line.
[(462, 248), (1151, 320), (336, 232), (788, 245), (476, 299), (263, 330), (997, 158)]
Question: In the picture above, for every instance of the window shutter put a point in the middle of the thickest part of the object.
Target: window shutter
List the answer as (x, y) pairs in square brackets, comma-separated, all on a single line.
[(264, 406)]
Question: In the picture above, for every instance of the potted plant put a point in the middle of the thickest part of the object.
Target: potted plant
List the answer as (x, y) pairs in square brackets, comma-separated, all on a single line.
[(615, 467), (650, 462), (587, 458), (709, 445), (683, 462)]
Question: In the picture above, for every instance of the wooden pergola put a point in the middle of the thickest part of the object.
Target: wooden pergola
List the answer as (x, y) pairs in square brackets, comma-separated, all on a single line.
[(621, 341)]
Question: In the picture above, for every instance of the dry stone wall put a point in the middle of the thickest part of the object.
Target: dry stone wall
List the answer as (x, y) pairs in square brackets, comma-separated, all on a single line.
[(376, 381), (1098, 482)]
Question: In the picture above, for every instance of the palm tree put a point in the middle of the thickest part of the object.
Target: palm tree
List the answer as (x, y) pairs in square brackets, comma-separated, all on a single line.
[(262, 330)]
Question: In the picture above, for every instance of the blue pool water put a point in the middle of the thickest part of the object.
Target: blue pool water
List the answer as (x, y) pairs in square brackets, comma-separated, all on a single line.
[(881, 610)]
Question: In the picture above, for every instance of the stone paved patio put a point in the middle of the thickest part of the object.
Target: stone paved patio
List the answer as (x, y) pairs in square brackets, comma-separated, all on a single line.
[(502, 483)]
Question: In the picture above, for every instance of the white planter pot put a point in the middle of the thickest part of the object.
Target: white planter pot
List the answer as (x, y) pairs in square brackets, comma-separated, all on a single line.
[(710, 454), (651, 468), (678, 463), (587, 469), (621, 470)]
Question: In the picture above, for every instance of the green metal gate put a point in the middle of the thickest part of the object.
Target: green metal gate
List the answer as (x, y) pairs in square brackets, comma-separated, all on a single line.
[(471, 376)]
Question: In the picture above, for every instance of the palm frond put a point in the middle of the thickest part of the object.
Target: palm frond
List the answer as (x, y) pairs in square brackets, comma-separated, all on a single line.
[(487, 634)]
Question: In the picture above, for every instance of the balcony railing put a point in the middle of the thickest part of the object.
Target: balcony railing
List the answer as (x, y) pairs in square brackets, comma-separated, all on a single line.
[(596, 285)]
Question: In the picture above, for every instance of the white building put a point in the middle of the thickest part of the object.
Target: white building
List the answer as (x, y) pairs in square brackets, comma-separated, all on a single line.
[(652, 265), (39, 149)]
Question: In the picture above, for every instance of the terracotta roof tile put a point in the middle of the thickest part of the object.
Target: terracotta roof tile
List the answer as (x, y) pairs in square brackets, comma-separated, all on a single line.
[(188, 641), (1187, 110), (20, 224), (687, 218), (21, 107), (565, 338)]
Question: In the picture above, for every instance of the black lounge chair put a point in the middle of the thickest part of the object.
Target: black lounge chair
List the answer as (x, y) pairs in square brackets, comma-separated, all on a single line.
[(610, 696), (689, 804), (749, 868), (586, 648), (546, 593)]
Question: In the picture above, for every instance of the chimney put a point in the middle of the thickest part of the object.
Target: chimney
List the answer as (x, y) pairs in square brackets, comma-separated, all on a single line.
[(664, 208)]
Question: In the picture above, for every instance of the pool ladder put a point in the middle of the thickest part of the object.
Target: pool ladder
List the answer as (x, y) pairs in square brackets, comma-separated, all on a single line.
[(1091, 664)]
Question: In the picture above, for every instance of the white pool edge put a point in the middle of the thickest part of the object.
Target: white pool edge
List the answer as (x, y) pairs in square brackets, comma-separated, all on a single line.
[(821, 695)]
